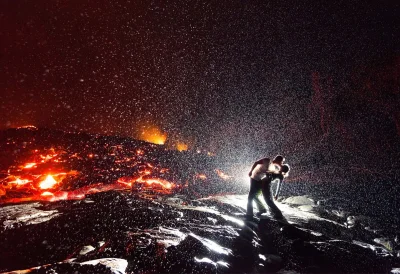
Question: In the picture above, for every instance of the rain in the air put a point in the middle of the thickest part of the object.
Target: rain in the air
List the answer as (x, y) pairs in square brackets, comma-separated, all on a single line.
[(199, 136)]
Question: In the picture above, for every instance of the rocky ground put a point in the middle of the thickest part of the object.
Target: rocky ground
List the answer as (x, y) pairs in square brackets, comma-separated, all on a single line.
[(80, 203), (125, 232)]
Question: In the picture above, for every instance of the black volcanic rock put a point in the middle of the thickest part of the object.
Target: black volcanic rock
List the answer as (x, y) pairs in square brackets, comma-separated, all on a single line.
[(99, 226)]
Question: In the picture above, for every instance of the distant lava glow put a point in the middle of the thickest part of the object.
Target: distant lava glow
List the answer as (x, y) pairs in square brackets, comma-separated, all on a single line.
[(180, 146), (201, 176), (153, 134), (153, 182), (222, 174)]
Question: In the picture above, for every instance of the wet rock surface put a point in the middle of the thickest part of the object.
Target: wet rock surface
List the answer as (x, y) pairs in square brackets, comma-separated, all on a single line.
[(155, 234)]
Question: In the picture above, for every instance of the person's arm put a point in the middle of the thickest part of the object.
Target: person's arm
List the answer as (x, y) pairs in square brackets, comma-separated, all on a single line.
[(278, 186), (259, 162)]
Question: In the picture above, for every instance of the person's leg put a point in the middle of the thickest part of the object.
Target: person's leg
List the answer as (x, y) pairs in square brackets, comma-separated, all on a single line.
[(255, 188), (260, 205), (273, 209)]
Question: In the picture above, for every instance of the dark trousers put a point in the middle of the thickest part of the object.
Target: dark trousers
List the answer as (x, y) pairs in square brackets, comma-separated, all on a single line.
[(264, 187), (254, 194)]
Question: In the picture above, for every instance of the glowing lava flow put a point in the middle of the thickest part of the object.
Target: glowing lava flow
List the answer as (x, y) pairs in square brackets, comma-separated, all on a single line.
[(47, 183), (19, 182), (29, 165), (161, 182), (165, 185), (60, 172)]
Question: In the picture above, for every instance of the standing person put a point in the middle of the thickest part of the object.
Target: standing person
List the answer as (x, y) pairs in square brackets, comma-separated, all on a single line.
[(284, 174), (266, 190), (257, 173)]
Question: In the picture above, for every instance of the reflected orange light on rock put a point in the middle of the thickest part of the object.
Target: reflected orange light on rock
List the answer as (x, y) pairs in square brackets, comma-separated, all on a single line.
[(47, 183), (153, 134)]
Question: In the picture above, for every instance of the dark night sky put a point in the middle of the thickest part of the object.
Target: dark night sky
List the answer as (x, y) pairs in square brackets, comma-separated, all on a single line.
[(247, 76)]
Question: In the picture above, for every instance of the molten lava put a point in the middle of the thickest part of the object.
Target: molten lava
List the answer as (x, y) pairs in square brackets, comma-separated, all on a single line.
[(29, 165), (36, 180), (47, 183), (71, 169)]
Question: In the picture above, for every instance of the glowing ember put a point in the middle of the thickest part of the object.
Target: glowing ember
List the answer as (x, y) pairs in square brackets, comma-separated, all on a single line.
[(47, 183)]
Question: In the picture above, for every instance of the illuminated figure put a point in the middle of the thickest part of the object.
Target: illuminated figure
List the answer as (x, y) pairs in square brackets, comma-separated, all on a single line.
[(266, 190), (263, 172)]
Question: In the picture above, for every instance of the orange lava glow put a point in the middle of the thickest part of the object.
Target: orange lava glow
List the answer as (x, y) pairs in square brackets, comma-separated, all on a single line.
[(222, 174), (161, 182), (19, 181), (47, 183), (46, 175), (145, 177), (153, 134), (201, 176), (181, 146), (29, 165), (32, 127)]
